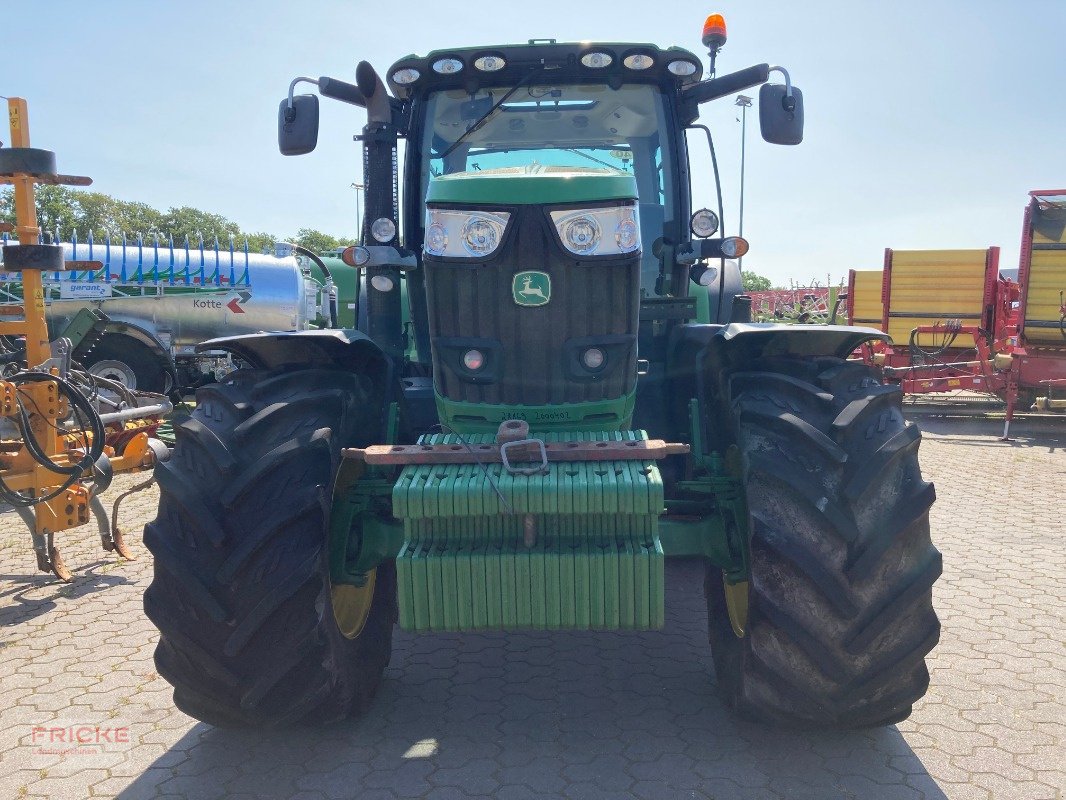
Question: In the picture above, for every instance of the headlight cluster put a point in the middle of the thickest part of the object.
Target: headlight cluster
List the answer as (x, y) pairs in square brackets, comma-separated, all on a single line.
[(464, 234), (583, 231), (598, 231)]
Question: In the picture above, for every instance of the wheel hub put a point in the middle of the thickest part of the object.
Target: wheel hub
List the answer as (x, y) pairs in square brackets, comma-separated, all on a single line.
[(351, 605), (115, 371)]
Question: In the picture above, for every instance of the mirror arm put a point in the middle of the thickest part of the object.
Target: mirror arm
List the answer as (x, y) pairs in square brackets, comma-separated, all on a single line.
[(788, 102), (788, 80), (705, 91), (290, 115), (340, 90)]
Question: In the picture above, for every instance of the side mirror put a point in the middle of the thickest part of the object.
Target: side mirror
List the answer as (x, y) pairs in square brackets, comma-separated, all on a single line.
[(781, 115), (298, 125)]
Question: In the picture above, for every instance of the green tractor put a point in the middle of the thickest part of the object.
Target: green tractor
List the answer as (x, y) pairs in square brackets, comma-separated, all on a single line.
[(553, 386)]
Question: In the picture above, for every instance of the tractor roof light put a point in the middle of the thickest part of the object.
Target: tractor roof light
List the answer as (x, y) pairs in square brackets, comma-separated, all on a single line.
[(597, 60), (714, 34), (447, 66), (406, 76), (682, 68), (489, 63), (638, 61)]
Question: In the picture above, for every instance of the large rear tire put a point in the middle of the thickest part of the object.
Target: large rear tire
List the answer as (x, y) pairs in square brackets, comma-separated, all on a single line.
[(241, 592), (842, 566)]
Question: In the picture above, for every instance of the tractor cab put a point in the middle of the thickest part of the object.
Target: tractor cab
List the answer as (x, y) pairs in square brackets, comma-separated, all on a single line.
[(566, 126), (547, 229)]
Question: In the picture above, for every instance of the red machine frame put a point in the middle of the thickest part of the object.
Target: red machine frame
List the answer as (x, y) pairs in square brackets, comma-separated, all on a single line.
[(1006, 364), (1037, 365)]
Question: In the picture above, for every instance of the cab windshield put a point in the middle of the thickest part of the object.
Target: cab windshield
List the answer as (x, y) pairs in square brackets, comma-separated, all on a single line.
[(582, 126)]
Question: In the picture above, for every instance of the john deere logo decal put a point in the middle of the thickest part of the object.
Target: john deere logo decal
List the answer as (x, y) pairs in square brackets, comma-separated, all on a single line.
[(531, 288)]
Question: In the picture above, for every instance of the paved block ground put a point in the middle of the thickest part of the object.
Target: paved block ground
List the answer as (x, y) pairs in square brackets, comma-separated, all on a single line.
[(570, 715)]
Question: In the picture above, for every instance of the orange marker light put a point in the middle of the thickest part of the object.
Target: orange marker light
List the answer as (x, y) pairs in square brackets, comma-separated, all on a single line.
[(714, 31), (355, 256)]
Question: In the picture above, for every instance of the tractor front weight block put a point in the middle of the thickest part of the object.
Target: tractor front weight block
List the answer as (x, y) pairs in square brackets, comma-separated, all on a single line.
[(577, 540)]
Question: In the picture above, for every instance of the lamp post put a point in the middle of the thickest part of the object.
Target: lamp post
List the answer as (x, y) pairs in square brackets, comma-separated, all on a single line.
[(744, 102), (359, 187)]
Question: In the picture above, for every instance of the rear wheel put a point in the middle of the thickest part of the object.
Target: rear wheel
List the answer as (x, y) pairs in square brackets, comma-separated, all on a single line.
[(842, 566), (251, 631), (132, 363)]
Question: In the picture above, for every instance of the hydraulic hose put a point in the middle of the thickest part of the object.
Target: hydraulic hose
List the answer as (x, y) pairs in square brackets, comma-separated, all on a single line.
[(333, 306), (79, 403), (329, 278), (949, 339)]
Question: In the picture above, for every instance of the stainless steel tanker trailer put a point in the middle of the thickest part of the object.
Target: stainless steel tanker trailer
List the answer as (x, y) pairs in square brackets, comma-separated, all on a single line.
[(162, 301)]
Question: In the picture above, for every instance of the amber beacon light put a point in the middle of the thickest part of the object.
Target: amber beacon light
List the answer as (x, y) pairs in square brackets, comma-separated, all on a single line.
[(714, 35)]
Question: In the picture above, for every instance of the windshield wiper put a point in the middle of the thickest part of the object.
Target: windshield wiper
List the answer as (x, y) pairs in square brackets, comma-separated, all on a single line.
[(590, 158), (485, 117)]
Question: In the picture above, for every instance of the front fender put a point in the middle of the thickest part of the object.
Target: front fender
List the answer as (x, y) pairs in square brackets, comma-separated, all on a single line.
[(738, 343), (118, 325), (701, 357), (347, 349), (344, 349)]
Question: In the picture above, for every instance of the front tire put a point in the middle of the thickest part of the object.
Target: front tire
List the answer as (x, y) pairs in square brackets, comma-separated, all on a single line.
[(842, 565), (241, 592)]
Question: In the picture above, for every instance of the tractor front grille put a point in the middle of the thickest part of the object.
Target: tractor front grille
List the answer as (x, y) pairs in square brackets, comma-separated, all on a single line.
[(533, 353)]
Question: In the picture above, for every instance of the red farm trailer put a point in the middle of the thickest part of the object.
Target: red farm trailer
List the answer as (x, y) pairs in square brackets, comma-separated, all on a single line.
[(956, 323)]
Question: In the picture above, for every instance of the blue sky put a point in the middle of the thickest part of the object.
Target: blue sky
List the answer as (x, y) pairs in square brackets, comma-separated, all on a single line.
[(926, 122)]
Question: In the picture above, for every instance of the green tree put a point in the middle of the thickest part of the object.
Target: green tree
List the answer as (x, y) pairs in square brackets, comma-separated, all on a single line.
[(99, 213), (260, 242), (318, 242), (754, 283), (7, 205), (57, 208), (73, 209), (140, 218), (192, 222), (69, 210)]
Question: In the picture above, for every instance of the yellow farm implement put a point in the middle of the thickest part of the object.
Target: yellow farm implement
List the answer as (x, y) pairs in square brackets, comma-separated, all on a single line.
[(57, 451)]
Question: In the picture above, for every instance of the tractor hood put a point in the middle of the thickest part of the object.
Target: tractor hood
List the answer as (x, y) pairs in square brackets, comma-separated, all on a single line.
[(535, 184)]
